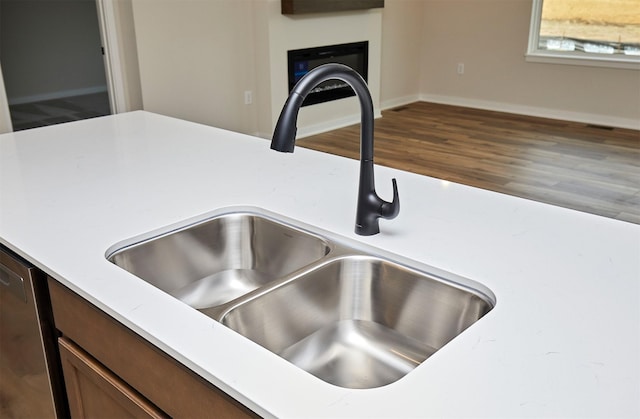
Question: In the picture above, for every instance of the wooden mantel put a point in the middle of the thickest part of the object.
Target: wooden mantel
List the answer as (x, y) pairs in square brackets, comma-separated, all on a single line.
[(290, 7)]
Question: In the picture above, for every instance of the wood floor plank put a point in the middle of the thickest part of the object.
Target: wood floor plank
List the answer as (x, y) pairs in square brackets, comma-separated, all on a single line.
[(580, 166)]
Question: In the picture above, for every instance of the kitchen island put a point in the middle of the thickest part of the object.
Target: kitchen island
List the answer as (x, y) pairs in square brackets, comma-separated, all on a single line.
[(562, 340)]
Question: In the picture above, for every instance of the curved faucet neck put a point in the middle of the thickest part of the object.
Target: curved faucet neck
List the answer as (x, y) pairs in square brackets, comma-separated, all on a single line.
[(370, 205), (286, 127)]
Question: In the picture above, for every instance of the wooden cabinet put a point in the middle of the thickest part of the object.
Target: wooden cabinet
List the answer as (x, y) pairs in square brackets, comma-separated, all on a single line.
[(95, 392), (105, 363)]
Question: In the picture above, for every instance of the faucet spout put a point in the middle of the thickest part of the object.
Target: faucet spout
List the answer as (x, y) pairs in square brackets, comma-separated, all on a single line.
[(370, 206)]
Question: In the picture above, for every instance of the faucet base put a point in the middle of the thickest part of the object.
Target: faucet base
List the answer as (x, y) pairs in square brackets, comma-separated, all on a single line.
[(369, 230)]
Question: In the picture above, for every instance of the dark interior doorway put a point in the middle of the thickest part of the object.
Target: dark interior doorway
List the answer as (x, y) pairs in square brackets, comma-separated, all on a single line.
[(52, 63)]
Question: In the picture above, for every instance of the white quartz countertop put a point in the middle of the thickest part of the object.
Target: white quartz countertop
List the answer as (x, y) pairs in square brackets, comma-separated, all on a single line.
[(563, 339)]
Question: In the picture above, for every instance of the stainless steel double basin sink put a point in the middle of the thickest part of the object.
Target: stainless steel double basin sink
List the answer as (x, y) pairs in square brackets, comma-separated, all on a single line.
[(351, 315)]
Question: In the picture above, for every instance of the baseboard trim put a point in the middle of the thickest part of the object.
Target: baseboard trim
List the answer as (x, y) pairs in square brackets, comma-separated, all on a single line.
[(470, 103), (57, 95), (400, 101), (539, 112)]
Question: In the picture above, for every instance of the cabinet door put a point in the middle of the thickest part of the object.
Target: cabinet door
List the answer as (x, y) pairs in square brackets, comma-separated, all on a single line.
[(95, 392), (153, 374)]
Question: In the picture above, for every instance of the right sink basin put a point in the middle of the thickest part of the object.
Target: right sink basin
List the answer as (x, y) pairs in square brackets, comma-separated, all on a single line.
[(358, 321)]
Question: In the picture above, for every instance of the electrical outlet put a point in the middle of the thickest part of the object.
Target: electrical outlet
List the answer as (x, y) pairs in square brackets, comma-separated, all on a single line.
[(460, 68), (248, 97)]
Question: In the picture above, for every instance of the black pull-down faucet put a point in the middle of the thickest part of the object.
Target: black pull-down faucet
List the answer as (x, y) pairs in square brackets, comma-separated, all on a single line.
[(370, 205)]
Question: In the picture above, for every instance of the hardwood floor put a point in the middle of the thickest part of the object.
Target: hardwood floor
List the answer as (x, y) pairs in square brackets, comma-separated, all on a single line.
[(584, 167)]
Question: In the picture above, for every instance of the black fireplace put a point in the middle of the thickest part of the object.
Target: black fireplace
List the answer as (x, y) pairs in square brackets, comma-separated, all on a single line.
[(301, 61)]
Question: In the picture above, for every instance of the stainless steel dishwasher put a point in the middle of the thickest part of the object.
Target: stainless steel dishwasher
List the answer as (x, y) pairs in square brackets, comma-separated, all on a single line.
[(30, 376)]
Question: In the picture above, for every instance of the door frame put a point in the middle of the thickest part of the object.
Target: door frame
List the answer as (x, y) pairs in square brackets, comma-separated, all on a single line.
[(5, 116), (113, 63)]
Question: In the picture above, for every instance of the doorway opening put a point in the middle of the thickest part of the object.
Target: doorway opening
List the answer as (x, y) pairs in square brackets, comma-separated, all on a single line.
[(52, 62)]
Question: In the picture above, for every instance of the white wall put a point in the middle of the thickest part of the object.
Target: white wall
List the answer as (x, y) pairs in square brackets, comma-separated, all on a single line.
[(196, 60), (402, 22), (490, 38), (263, 105)]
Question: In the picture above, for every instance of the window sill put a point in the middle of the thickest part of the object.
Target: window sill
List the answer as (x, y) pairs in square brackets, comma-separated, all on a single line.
[(621, 62)]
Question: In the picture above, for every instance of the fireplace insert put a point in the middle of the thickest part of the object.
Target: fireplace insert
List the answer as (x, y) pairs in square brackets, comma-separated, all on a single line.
[(301, 61)]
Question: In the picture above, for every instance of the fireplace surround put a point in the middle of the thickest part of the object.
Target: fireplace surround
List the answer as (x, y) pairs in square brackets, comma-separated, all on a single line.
[(301, 61)]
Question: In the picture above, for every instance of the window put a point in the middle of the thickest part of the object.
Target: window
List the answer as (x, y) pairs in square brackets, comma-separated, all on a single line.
[(588, 32)]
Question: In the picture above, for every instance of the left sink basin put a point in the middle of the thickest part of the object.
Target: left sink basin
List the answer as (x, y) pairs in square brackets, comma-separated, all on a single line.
[(220, 259)]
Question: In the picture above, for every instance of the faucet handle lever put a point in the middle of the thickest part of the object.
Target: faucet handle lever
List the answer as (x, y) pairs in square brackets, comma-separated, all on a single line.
[(390, 210)]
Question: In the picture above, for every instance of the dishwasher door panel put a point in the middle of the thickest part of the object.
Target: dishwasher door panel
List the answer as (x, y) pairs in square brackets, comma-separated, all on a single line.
[(26, 357)]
